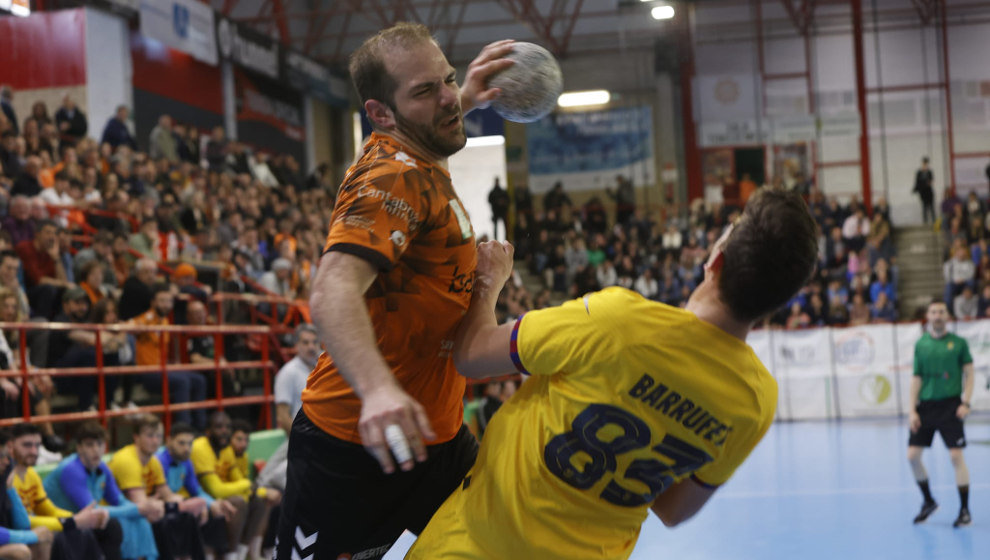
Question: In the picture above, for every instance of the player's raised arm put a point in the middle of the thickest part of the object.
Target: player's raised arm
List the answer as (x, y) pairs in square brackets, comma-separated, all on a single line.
[(481, 347), (341, 317), (475, 93)]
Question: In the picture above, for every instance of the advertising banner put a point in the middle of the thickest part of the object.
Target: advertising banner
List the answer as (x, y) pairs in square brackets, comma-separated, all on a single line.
[(269, 115), (802, 362), (248, 48), (586, 150), (865, 370), (305, 74), (185, 25)]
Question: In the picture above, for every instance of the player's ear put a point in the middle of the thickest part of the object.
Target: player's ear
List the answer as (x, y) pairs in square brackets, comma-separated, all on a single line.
[(380, 114), (715, 262)]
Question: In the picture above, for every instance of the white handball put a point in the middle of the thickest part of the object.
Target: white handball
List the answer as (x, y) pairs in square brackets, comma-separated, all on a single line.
[(530, 87)]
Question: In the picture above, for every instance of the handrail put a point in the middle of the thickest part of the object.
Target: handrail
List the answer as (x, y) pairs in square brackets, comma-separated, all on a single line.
[(101, 371)]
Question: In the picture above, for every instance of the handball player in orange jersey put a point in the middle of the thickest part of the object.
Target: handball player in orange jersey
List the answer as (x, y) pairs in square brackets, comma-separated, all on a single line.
[(380, 442)]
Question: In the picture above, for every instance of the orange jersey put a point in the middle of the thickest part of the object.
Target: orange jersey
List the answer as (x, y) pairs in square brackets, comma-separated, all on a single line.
[(148, 347), (401, 214)]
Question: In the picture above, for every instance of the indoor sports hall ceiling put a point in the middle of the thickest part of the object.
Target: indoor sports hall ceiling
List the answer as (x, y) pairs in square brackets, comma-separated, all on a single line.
[(328, 30)]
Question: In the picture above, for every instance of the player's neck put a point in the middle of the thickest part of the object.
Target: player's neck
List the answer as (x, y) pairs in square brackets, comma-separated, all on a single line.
[(143, 457), (20, 470), (938, 334), (411, 145), (706, 305)]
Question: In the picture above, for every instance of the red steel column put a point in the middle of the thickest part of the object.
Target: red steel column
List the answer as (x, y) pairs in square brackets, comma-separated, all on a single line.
[(692, 156), (948, 96), (864, 140)]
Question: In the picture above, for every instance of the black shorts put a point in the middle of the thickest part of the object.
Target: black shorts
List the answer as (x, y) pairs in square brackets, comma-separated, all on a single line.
[(939, 415), (339, 503)]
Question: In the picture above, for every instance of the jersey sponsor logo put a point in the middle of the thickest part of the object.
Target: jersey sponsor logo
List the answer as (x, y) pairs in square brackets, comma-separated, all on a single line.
[(693, 417), (360, 222), (392, 204), (398, 238), (671, 458), (461, 282), (405, 158), (446, 348), (462, 219), (376, 552)]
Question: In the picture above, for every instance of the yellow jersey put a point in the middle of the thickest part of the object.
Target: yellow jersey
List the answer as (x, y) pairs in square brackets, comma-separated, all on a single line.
[(130, 473), (214, 472), (230, 467), (626, 398), (42, 512)]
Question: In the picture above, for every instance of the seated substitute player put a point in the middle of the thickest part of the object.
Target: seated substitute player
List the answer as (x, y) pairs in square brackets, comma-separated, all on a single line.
[(18, 541), (141, 477), (632, 405), (83, 478), (941, 389), (212, 474), (74, 536), (181, 479), (234, 465)]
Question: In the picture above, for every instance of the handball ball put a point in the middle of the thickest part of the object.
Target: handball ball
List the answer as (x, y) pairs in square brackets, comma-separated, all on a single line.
[(530, 87)]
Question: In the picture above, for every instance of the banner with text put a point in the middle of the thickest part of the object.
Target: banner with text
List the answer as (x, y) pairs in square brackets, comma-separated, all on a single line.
[(586, 150), (247, 48), (269, 115), (185, 25)]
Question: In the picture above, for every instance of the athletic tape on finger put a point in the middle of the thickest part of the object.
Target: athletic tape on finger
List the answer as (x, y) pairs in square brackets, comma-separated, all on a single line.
[(397, 443)]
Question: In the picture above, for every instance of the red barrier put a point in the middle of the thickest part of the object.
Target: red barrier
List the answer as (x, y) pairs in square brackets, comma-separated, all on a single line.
[(101, 370)]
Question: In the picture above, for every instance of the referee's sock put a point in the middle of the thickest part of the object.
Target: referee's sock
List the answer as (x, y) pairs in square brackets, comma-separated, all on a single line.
[(927, 492), (964, 497)]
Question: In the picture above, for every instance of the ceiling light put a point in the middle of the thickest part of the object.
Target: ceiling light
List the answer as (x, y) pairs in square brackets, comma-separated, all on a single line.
[(662, 12), (583, 98)]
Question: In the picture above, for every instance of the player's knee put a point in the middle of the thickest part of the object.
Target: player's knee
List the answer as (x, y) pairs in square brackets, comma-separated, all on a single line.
[(113, 533), (956, 454), (15, 552)]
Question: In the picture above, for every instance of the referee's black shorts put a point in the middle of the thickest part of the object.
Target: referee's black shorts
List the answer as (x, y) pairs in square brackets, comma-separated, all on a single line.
[(339, 504), (939, 415)]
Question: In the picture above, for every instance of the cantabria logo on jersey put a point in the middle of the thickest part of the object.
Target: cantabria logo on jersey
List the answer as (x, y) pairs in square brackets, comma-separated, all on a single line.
[(875, 389)]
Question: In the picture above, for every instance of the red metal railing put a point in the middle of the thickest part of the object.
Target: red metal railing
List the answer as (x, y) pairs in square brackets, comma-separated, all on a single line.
[(101, 370)]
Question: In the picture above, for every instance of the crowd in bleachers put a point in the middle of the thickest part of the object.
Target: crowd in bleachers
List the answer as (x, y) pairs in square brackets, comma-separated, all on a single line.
[(965, 226), (577, 249), (107, 232)]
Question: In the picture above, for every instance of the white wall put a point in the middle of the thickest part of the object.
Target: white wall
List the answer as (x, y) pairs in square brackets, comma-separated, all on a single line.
[(473, 171), (108, 68)]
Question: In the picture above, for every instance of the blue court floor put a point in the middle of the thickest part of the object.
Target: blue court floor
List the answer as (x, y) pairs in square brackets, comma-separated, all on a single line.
[(831, 490)]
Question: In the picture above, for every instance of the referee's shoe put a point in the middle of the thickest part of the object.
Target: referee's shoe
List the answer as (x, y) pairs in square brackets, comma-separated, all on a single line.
[(963, 519), (927, 509)]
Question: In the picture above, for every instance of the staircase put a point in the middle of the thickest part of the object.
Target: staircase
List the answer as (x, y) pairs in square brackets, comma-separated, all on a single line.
[(919, 263)]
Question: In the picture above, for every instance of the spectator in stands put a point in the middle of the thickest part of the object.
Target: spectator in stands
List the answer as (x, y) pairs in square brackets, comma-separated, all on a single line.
[(959, 272), (100, 251), (183, 386), (39, 115), (44, 272), (116, 131), (797, 318), (147, 241), (27, 182), (951, 204), (291, 378), (73, 531), (984, 302), (136, 295), (18, 540), (212, 475), (882, 309), (10, 161), (201, 349), (141, 477), (923, 187), (82, 349), (556, 198), (859, 311), (624, 197), (966, 304), (883, 284), (181, 480), (278, 279), (817, 313), (10, 265), (59, 195), (71, 121), (646, 285), (855, 229), (7, 106), (184, 277), (233, 465), (162, 144), (838, 313), (216, 150)]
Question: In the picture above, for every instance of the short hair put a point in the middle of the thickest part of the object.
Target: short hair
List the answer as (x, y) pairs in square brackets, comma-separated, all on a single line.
[(103, 237), (304, 328), (91, 430), (367, 63), (145, 421), (770, 253), (42, 224), (160, 287), (9, 254), (240, 425), (217, 417), (24, 429), (180, 428)]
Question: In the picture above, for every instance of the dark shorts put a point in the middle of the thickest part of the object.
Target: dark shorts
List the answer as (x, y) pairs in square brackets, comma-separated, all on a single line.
[(939, 415), (339, 503)]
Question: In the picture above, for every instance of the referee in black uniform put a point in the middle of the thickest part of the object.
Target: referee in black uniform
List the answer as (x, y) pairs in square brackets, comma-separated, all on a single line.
[(941, 389)]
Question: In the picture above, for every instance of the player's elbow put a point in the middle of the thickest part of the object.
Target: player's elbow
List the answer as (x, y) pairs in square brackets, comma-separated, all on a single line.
[(465, 365)]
